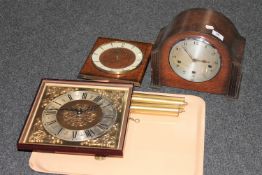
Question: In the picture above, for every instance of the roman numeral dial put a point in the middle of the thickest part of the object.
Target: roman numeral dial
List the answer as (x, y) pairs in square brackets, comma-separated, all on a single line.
[(79, 115)]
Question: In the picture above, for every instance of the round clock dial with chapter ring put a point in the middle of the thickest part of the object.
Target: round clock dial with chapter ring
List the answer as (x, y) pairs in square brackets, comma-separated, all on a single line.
[(194, 59), (79, 116), (117, 57)]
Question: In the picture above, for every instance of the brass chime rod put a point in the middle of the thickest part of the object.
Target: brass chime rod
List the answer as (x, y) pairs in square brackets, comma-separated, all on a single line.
[(157, 104)]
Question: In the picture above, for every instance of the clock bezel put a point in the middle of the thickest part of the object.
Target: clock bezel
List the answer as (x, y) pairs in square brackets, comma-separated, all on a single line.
[(200, 39), (114, 70)]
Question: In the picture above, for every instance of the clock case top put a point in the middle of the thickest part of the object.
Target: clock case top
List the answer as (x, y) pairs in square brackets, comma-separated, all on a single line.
[(91, 72), (24, 145), (190, 24)]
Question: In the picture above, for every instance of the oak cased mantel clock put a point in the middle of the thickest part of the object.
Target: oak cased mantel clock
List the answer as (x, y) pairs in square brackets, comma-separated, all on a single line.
[(116, 60), (199, 50), (78, 117)]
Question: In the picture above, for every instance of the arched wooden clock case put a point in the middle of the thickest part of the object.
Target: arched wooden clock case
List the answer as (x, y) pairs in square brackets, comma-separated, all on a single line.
[(213, 28)]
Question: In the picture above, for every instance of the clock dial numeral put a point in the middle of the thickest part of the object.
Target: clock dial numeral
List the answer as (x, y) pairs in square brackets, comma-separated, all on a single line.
[(50, 112), (89, 133), (57, 103), (102, 126), (195, 42), (84, 95), (74, 134), (51, 122), (59, 131), (69, 97), (109, 116), (103, 105), (97, 99)]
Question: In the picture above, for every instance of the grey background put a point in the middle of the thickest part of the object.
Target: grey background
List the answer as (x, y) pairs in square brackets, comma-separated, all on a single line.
[(50, 39)]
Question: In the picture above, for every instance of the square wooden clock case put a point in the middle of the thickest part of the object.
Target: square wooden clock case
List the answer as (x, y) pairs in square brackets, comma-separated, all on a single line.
[(116, 60), (78, 117)]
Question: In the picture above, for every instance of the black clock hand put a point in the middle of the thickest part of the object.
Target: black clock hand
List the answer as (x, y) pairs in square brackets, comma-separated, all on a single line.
[(193, 59), (203, 61), (89, 109), (75, 110), (190, 56)]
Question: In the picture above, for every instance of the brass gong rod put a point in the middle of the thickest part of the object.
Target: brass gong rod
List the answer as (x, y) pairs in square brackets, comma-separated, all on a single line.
[(157, 104), (157, 96), (150, 112), (157, 99)]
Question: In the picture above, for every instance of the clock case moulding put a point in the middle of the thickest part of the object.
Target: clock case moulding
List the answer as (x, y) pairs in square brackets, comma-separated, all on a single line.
[(194, 23), (90, 72)]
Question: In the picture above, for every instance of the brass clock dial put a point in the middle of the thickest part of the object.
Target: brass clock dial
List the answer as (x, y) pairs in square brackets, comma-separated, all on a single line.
[(194, 59), (79, 116), (117, 57)]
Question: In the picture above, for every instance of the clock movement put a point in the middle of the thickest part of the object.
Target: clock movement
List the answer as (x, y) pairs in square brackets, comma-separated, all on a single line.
[(115, 60), (78, 117), (199, 50)]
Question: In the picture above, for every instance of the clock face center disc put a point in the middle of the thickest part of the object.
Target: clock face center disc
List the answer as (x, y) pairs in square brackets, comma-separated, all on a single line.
[(117, 58), (79, 115)]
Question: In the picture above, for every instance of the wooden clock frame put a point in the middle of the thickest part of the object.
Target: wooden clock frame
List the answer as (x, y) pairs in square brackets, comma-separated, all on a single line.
[(216, 29), (91, 72), (43, 141)]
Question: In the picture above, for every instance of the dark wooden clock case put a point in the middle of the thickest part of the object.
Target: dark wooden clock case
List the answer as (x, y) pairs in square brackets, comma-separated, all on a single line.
[(90, 72), (192, 23)]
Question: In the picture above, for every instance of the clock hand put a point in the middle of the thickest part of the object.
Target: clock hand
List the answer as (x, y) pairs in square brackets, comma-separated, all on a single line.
[(117, 54), (203, 61), (75, 110), (190, 56), (78, 111), (193, 59), (89, 109)]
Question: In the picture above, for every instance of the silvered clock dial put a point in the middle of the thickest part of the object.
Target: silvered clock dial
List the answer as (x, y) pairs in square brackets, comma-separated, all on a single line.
[(194, 59), (79, 116)]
